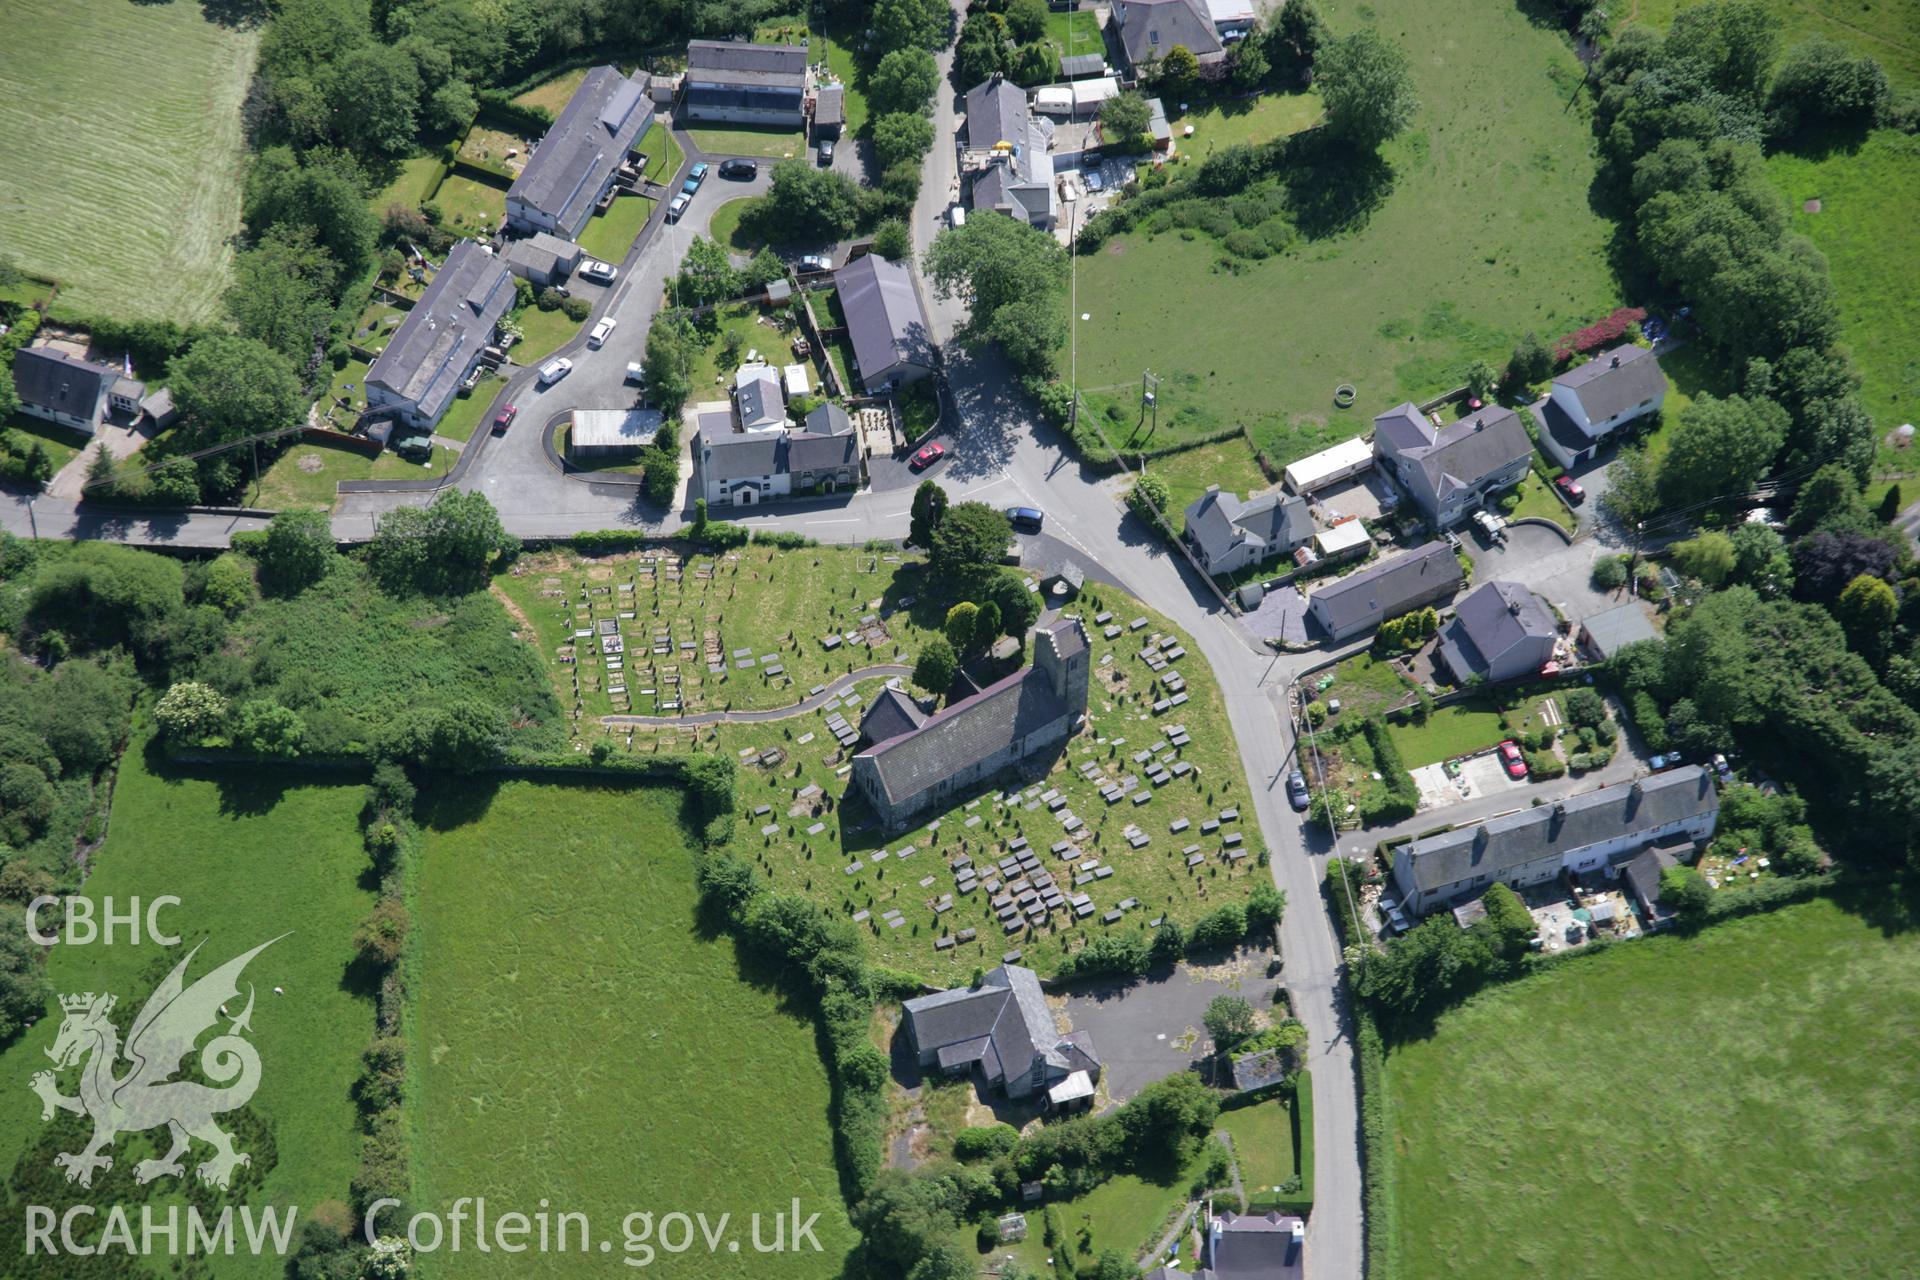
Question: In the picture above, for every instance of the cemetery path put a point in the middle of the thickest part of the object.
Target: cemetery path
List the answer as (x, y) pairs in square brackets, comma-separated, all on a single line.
[(812, 702)]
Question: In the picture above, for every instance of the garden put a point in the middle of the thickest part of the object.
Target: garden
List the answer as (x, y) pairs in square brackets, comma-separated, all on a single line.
[(609, 234), (309, 473), (569, 1013), (1733, 1036)]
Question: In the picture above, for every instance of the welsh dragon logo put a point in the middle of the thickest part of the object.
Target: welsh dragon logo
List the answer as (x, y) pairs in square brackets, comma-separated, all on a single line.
[(144, 1097)]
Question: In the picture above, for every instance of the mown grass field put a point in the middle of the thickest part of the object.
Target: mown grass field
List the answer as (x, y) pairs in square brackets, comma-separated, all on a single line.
[(556, 93), (121, 152), (1229, 464), (1485, 234), (748, 140), (1887, 30), (1866, 220), (251, 857), (309, 474), (576, 1039), (1737, 1104)]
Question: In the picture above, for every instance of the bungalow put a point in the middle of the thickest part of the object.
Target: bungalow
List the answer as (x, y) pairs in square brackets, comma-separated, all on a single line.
[(1451, 469), (1144, 31), (1227, 534), (1361, 601), (576, 163), (1591, 402), (1003, 1030), (733, 82), (442, 338), (1500, 631), (1577, 834), (892, 343), (72, 392)]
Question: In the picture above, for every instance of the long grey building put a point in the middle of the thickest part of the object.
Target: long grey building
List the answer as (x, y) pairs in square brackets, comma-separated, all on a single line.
[(1029, 712), (1362, 601), (442, 338), (1579, 833), (1002, 1029), (891, 339), (732, 81), (576, 162)]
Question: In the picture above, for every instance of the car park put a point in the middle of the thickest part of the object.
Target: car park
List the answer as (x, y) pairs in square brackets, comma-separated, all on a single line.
[(678, 206), (695, 176), (826, 152), (598, 271), (1297, 794), (1570, 489), (504, 419), (1030, 518), (738, 168), (554, 370), (928, 456), (601, 331), (1512, 759)]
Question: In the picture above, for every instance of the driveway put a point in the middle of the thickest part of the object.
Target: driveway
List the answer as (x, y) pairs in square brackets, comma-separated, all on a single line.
[(1541, 558), (1149, 1028), (1479, 777)]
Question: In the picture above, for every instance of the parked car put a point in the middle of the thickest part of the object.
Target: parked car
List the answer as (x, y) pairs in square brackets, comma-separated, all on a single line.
[(1722, 768), (928, 456), (678, 206), (636, 372), (1570, 489), (1512, 760), (956, 216), (1658, 762), (695, 176), (598, 271), (826, 152), (1394, 918), (1297, 794), (738, 168), (602, 331), (1025, 518), (554, 370), (816, 262), (504, 419)]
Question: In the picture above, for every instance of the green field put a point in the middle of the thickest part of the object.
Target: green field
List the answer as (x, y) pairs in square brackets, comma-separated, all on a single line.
[(1125, 1213), (607, 236), (470, 206), (1486, 233), (251, 857), (1229, 464), (577, 1039), (724, 226), (556, 93), (132, 206), (1221, 124), (1888, 30), (746, 140), (663, 152), (1866, 221), (1737, 1104), (541, 333)]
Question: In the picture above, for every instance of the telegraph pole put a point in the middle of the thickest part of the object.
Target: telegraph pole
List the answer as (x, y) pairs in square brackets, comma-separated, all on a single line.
[(1150, 400)]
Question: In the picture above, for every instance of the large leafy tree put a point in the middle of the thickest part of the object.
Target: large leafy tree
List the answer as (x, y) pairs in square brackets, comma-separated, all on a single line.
[(282, 292), (1365, 84), (1721, 447), (1010, 275), (804, 202), (228, 387), (929, 508), (375, 93), (298, 550), (447, 548), (969, 541), (903, 80)]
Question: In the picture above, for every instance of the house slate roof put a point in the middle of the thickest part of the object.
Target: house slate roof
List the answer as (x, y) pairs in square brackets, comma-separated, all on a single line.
[(1555, 830), (829, 105), (1246, 1246), (996, 112), (1150, 28), (1082, 64), (829, 419), (48, 378), (1642, 874), (756, 390), (1490, 620), (883, 313), (542, 253), (964, 733), (1614, 381), (1614, 629), (1219, 519), (807, 451), (570, 167), (739, 455), (1272, 516), (1024, 184), (447, 329), (1389, 587), (1004, 1023), (1553, 422), (891, 713), (1460, 454), (736, 62)]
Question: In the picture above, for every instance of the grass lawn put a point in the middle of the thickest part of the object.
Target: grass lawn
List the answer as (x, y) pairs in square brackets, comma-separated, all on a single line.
[(346, 395), (1887, 30), (1072, 31), (487, 148), (1767, 1084), (745, 140), (375, 326), (1126, 1213), (832, 46), (1263, 1144), (1235, 120), (134, 209), (575, 1056), (1867, 198), (1229, 464), (413, 182), (464, 415), (62, 445), (541, 333), (555, 94), (1454, 730), (1434, 278), (662, 151), (713, 371), (630, 465), (1537, 499), (1365, 685), (251, 856), (607, 236), (724, 227), (469, 205), (307, 474)]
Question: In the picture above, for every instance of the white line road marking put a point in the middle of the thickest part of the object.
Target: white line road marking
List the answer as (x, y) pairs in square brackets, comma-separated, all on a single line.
[(849, 520)]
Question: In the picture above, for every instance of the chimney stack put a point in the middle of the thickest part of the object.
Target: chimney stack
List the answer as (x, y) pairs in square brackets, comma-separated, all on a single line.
[(1616, 362)]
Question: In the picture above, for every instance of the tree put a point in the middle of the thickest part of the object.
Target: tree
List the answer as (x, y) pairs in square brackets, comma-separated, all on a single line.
[(228, 388), (452, 106), (929, 508), (1721, 447), (707, 275), (1148, 500), (189, 711), (901, 137), (1027, 20), (282, 292), (1010, 274), (1760, 559), (986, 625), (922, 24), (1866, 610), (1633, 487), (903, 80), (284, 193), (1481, 378), (1532, 360), (1247, 65), (1830, 499), (806, 202), (1733, 41), (970, 540), (382, 936), (297, 551), (1823, 82), (960, 626), (1228, 1020), (672, 349), (892, 241), (945, 1262), (1178, 73), (1508, 921), (1824, 563), (375, 93), (9, 393), (1123, 120), (1365, 84), (447, 548), (266, 728), (1585, 707), (1296, 36), (981, 52), (1219, 929), (228, 584), (1019, 607), (1609, 573), (1685, 890), (1707, 558), (936, 666), (1169, 943)]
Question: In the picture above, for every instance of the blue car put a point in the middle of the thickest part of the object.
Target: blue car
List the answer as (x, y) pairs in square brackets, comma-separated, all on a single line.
[(695, 176)]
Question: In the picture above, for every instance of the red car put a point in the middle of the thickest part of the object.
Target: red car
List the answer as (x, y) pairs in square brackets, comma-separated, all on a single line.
[(928, 456), (1512, 760), (1570, 489), (504, 419)]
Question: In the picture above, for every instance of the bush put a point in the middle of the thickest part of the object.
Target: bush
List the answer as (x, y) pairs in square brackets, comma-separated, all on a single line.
[(577, 308), (550, 299), (985, 1143), (1221, 928), (1402, 797), (1609, 573)]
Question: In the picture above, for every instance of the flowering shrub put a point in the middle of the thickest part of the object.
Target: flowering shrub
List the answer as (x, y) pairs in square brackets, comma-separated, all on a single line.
[(1606, 333)]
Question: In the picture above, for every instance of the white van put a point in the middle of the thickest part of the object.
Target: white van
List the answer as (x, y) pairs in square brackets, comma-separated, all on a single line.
[(554, 370), (956, 216)]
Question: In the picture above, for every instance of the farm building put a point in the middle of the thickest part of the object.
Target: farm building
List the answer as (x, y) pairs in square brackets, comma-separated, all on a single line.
[(1330, 466), (577, 161), (596, 434), (733, 82)]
